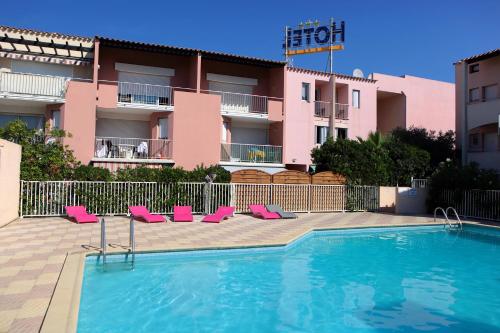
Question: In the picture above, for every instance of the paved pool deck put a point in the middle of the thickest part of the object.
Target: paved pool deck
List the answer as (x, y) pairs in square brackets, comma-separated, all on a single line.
[(33, 251)]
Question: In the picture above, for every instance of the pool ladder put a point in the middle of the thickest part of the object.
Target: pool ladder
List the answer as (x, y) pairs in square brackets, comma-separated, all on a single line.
[(131, 240), (457, 225)]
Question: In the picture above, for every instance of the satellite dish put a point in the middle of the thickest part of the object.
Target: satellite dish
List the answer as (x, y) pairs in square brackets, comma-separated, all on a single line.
[(358, 73), (370, 76)]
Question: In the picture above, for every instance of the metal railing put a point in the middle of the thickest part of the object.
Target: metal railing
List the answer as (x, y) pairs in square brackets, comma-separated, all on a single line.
[(239, 152), (324, 110), (33, 84), (39, 198), (145, 94), (481, 204), (241, 103), (132, 148), (419, 183), (341, 111)]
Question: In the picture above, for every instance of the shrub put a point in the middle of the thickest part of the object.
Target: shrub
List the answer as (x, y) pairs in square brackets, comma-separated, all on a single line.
[(43, 155), (89, 173), (361, 162), (440, 146)]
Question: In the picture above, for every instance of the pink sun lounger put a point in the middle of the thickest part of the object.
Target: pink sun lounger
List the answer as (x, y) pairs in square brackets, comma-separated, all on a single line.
[(222, 213), (183, 214), (80, 215), (261, 211), (141, 213)]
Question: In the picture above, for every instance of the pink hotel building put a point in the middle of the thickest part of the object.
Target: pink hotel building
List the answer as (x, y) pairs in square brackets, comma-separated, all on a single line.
[(129, 103)]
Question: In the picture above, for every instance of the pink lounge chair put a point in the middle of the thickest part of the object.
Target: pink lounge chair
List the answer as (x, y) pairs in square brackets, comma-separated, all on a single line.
[(80, 215), (141, 213), (222, 213), (183, 214), (261, 211)]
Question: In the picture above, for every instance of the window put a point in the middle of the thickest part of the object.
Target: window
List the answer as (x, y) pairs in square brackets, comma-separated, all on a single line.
[(474, 68), (322, 133), (490, 92), (305, 91), (33, 122), (341, 133), (317, 94), (224, 132), (475, 142), (56, 119), (356, 99), (163, 128), (474, 95)]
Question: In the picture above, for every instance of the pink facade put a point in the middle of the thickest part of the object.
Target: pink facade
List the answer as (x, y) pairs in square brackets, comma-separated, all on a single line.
[(478, 109), (159, 105)]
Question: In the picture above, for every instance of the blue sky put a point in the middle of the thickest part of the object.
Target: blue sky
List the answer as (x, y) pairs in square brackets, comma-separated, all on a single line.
[(421, 38)]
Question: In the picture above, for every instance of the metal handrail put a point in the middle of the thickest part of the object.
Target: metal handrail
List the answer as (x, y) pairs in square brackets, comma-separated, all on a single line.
[(132, 239), (103, 240), (456, 215), (445, 215)]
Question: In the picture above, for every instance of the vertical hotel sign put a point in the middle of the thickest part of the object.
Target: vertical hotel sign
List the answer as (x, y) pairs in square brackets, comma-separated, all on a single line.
[(313, 37)]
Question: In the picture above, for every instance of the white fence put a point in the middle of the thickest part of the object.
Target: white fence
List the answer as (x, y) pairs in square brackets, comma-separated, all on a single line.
[(419, 183), (480, 204), (40, 198), (32, 84)]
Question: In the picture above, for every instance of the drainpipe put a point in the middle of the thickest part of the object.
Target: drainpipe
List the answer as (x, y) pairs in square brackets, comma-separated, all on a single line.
[(465, 132)]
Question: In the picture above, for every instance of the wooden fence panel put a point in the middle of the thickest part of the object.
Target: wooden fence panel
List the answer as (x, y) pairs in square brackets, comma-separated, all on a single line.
[(291, 197), (291, 177), (328, 178), (327, 198), (250, 194), (251, 176)]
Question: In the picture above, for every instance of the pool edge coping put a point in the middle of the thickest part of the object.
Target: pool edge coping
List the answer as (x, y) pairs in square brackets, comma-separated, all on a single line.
[(62, 312)]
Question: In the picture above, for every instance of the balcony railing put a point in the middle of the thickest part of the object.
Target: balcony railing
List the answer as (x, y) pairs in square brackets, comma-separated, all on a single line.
[(242, 103), (341, 111), (324, 110), (132, 148), (33, 84), (239, 152), (144, 94)]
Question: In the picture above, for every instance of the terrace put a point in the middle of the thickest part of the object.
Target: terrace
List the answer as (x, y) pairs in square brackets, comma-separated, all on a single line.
[(111, 148), (31, 270)]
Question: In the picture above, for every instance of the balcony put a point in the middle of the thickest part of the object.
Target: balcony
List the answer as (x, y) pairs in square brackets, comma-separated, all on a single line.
[(243, 104), (33, 87), (483, 113), (132, 149), (324, 110), (145, 96), (250, 153)]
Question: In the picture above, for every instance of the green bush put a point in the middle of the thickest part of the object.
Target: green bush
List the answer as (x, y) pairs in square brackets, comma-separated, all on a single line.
[(440, 146), (361, 162), (43, 155), (455, 179)]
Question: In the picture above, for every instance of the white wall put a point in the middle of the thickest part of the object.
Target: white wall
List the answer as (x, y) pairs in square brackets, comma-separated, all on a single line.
[(10, 160)]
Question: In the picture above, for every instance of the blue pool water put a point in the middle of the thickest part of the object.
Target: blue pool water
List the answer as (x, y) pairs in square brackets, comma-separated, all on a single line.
[(375, 280)]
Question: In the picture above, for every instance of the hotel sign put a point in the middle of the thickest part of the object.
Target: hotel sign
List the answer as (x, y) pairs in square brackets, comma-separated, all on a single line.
[(312, 37)]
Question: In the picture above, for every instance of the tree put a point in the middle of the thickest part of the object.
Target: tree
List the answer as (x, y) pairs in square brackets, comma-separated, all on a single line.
[(362, 163), (406, 162), (43, 155), (440, 146)]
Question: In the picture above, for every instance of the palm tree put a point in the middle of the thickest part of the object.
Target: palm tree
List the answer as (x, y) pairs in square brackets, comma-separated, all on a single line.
[(375, 138)]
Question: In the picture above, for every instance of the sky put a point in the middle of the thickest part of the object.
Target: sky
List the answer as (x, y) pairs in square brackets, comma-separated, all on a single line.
[(420, 37)]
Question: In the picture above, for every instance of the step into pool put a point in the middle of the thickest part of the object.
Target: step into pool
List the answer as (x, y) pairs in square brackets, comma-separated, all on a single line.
[(419, 279)]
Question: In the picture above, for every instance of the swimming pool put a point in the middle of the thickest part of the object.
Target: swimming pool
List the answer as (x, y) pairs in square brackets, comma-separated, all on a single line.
[(366, 280)]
